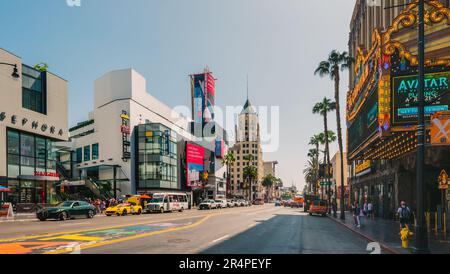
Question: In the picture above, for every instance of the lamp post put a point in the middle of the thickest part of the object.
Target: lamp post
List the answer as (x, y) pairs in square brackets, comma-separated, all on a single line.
[(15, 73), (421, 233)]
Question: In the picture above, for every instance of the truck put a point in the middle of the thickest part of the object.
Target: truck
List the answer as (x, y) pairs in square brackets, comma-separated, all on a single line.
[(298, 201)]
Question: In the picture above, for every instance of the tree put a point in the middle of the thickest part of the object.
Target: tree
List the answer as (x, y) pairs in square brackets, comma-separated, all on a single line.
[(42, 67), (229, 160), (268, 181), (322, 108), (251, 174), (315, 141), (335, 63)]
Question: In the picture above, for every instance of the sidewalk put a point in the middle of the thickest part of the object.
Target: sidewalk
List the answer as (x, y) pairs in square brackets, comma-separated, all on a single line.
[(20, 217), (386, 232)]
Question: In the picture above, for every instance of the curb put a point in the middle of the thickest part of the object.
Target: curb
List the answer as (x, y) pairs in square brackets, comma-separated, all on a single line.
[(33, 219), (383, 246)]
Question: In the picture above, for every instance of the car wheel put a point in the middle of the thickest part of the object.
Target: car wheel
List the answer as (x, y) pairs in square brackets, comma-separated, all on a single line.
[(139, 212), (124, 212), (310, 214), (42, 219), (324, 215), (161, 210), (90, 214), (181, 210), (63, 216), (118, 214)]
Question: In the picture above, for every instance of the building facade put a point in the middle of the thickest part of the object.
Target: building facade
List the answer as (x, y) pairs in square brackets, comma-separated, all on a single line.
[(248, 142), (336, 165), (33, 117), (381, 108)]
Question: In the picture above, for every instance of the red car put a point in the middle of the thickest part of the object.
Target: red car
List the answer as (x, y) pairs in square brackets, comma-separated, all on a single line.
[(319, 207)]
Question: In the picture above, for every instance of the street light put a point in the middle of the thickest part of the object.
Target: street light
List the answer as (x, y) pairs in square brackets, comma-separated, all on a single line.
[(15, 73), (421, 233)]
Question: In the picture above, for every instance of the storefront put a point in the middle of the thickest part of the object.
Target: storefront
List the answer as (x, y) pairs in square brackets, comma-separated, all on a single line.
[(31, 169)]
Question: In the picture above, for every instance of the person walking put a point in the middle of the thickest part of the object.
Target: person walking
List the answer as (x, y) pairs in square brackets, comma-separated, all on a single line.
[(356, 212), (370, 213), (404, 214)]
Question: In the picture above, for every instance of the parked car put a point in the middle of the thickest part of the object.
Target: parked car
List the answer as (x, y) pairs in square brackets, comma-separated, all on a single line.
[(208, 204), (221, 203), (258, 201), (277, 203), (124, 209), (319, 207), (67, 210), (235, 203), (287, 203), (243, 202), (230, 203)]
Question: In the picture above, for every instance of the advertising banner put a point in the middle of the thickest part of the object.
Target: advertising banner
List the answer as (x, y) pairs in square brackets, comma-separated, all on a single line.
[(405, 96), (220, 149), (210, 97), (440, 128), (195, 157), (199, 97)]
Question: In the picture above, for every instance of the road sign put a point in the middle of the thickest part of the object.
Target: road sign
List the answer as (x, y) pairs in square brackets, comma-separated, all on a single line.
[(443, 180)]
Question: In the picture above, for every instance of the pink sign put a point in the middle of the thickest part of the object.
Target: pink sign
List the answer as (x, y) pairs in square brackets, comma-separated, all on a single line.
[(194, 154)]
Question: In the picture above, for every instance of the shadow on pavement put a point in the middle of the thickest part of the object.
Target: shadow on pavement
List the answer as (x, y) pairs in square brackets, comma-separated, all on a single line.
[(292, 234)]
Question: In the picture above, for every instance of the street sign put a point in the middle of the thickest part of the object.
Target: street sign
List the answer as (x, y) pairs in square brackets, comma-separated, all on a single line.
[(443, 180)]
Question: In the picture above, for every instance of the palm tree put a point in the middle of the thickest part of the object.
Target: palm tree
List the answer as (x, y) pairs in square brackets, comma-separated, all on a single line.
[(311, 173), (323, 108), (315, 141), (251, 174), (268, 181), (229, 160), (336, 62)]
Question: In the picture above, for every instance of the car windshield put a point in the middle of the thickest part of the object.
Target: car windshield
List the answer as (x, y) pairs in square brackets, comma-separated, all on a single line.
[(157, 200), (219, 201), (65, 204)]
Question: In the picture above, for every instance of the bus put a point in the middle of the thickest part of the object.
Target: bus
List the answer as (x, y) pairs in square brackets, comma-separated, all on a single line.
[(167, 202)]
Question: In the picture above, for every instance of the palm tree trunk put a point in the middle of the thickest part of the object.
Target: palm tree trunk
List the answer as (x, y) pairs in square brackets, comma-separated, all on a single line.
[(327, 152), (339, 132)]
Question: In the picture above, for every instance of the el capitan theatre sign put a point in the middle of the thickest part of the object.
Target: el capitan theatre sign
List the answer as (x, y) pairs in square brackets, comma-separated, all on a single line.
[(405, 96)]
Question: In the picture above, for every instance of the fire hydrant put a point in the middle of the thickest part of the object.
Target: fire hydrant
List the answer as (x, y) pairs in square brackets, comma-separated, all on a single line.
[(405, 235)]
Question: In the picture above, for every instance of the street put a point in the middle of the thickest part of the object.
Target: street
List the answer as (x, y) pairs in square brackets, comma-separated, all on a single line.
[(246, 230)]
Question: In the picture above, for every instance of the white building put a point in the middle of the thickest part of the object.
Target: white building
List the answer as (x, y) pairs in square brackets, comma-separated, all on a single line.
[(33, 116), (136, 135)]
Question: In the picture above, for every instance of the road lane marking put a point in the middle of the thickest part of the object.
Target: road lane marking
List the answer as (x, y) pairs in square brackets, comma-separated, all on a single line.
[(75, 237), (134, 237), (195, 215), (97, 229), (220, 239)]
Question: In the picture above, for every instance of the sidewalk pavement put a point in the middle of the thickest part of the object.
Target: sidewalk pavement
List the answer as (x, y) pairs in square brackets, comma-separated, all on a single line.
[(386, 232)]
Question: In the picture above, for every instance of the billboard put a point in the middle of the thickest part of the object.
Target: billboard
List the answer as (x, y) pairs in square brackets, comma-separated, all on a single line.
[(405, 96), (195, 156), (210, 97), (204, 93), (220, 149), (199, 97), (365, 123)]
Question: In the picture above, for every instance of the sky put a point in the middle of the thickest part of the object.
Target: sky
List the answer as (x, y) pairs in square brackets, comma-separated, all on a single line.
[(277, 43)]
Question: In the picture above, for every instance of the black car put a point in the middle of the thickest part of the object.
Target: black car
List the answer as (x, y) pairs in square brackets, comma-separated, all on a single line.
[(67, 210)]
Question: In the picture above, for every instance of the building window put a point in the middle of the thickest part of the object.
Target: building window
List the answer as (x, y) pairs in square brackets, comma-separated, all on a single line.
[(87, 153), (95, 151), (79, 155), (33, 90), (27, 154)]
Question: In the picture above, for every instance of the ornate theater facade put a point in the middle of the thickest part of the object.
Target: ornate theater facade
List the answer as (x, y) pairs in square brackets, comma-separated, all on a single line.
[(382, 110)]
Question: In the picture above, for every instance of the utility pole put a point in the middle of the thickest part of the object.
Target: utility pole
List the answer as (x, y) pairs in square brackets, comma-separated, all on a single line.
[(421, 233)]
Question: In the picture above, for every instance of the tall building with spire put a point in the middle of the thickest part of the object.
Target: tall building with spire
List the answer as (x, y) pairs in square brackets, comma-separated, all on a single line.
[(248, 142)]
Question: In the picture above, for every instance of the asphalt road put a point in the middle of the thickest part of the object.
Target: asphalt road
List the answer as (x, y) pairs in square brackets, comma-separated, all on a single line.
[(252, 230)]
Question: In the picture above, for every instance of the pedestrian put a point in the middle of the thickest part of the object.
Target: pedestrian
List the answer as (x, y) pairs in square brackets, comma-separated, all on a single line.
[(370, 212), (404, 214), (362, 214), (356, 212)]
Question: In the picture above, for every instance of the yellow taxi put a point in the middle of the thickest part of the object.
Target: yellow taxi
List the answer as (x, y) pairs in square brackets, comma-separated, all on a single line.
[(124, 209)]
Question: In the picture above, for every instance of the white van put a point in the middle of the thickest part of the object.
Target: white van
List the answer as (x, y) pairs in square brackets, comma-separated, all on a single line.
[(167, 202)]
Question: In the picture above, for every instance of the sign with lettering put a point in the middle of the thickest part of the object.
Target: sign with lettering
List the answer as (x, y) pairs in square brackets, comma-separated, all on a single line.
[(405, 96)]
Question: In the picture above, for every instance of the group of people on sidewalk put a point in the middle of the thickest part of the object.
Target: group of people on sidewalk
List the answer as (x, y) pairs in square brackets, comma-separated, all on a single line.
[(367, 210), (360, 212)]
